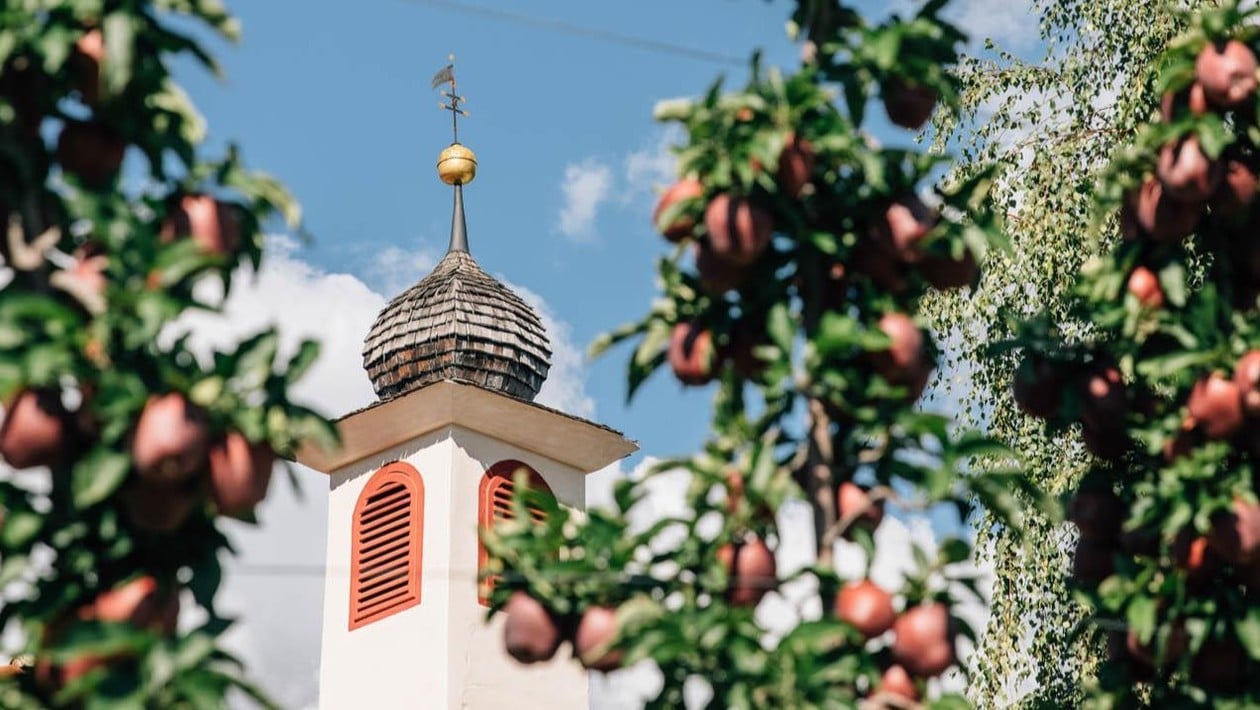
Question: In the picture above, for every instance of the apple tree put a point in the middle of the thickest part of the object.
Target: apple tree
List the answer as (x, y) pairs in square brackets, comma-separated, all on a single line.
[(802, 250), (127, 447), (1157, 361)]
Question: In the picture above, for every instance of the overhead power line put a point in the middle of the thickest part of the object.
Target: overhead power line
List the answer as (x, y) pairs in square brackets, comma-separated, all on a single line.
[(569, 28)]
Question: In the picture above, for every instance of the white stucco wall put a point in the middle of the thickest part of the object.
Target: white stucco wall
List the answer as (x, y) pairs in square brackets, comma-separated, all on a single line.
[(482, 676), (398, 661)]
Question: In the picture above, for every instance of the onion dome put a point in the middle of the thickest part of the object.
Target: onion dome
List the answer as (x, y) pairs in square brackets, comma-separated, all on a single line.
[(457, 323)]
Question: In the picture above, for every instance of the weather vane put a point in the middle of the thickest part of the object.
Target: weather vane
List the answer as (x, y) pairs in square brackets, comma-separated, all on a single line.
[(447, 75)]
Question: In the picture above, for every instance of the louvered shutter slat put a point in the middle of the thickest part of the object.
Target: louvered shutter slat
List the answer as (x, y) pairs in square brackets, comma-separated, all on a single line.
[(386, 545)]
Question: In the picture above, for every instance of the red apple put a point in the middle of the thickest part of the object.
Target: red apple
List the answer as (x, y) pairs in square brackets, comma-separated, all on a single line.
[(91, 152), (1098, 513), (85, 64), (1103, 400), (944, 273), (1227, 72), (1236, 190), (923, 643), (880, 264), (680, 227), (141, 602), (1107, 443), (530, 633), (906, 362), (1192, 99), (215, 226), (908, 104), (897, 682), (691, 353), (1247, 379), (852, 498), (752, 571), (595, 632), (1216, 406), (1193, 555), (1038, 387), (1235, 534), (1149, 653), (904, 225), (1160, 216), (240, 473), (170, 439), (739, 231), (1093, 561), (1144, 285), (866, 606), (1186, 172), (796, 165), (36, 429)]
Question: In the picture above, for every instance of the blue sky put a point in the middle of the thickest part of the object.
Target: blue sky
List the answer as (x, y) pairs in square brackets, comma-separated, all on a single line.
[(334, 99), (337, 103)]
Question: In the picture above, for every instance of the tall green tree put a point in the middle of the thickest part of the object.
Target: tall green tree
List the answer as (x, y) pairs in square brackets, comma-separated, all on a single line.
[(1052, 123), (802, 252), (128, 447)]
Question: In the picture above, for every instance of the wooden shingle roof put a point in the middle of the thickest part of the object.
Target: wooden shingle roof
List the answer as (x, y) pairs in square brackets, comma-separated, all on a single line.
[(457, 323)]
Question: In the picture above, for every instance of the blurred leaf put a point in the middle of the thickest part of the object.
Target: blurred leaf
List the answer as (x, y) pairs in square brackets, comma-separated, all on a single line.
[(97, 475)]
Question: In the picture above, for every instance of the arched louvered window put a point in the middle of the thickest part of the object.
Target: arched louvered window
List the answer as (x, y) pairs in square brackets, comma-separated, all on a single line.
[(387, 545), (495, 505)]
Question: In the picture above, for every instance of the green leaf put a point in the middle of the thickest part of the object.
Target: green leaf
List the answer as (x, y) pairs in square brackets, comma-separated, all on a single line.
[(301, 362), (118, 29), (1248, 630), (255, 358), (97, 475), (20, 527), (954, 550), (780, 326)]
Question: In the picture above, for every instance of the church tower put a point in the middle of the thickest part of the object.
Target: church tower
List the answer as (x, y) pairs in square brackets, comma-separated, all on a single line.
[(456, 361)]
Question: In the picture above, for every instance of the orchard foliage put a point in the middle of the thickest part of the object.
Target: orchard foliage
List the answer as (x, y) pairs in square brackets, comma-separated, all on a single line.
[(1049, 105), (1162, 376), (802, 253), (115, 224)]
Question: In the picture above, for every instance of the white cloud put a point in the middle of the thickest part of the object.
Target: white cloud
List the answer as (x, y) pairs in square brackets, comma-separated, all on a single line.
[(565, 386), (1012, 23), (395, 269), (590, 185), (653, 166), (585, 187)]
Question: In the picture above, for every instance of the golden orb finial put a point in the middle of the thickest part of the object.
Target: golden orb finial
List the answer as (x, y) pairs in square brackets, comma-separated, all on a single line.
[(457, 165)]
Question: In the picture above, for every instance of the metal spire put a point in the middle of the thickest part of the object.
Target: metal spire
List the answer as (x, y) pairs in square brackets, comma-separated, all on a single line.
[(459, 231)]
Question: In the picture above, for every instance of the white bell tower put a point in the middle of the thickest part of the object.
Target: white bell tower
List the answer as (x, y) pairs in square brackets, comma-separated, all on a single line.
[(415, 636), (455, 360)]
